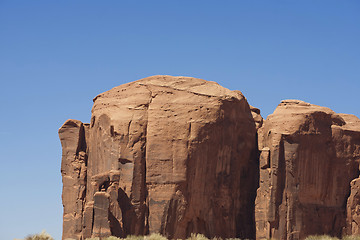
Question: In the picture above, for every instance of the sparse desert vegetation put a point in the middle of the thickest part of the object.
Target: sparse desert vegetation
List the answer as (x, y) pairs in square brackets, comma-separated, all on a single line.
[(40, 236), (326, 237), (155, 236)]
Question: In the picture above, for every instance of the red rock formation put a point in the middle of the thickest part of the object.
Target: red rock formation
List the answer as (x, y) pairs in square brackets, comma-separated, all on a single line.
[(73, 170), (309, 156), (353, 209), (101, 224), (174, 155), (351, 147), (255, 112)]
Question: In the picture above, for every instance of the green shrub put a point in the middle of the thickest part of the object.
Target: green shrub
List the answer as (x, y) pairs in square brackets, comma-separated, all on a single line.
[(41, 236), (106, 238), (134, 237), (155, 236), (112, 238), (351, 238), (321, 237), (197, 236)]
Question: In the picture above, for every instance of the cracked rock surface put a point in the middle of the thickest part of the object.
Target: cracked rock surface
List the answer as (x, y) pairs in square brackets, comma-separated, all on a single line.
[(180, 155), (169, 155), (309, 156)]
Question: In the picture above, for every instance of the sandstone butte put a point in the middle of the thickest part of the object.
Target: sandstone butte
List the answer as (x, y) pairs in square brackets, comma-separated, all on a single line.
[(180, 155)]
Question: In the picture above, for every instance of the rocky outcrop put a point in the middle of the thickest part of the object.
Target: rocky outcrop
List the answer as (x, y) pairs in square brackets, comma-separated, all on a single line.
[(101, 223), (352, 149), (173, 155), (73, 170), (309, 155), (255, 112), (179, 155)]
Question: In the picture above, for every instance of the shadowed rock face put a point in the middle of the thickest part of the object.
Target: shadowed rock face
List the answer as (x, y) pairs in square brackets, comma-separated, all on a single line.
[(309, 156), (178, 155), (74, 176), (173, 155), (352, 150)]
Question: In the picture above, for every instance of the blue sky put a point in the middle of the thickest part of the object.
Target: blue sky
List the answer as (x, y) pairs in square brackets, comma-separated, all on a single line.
[(55, 56)]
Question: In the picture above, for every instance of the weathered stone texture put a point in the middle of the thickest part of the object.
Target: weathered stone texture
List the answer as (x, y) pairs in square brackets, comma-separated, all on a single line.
[(351, 146), (179, 155), (309, 156), (173, 155), (73, 170), (101, 227)]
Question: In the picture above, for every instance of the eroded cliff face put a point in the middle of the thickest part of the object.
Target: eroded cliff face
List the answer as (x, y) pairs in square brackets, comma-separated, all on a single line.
[(352, 149), (179, 155), (74, 176), (309, 156), (173, 155)]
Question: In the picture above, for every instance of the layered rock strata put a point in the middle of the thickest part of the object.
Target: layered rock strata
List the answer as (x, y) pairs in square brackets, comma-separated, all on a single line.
[(309, 155), (172, 155), (352, 149), (178, 155), (74, 176)]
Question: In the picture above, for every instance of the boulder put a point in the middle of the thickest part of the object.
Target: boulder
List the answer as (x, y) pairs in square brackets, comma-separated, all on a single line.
[(308, 157), (169, 155)]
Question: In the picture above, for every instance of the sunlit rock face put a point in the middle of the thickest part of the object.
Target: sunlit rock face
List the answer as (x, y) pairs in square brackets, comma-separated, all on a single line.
[(309, 156), (169, 155), (352, 149)]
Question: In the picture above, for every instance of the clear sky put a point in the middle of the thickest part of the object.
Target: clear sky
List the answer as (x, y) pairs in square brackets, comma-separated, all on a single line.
[(55, 56)]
